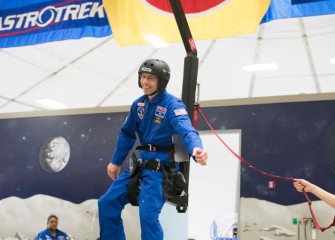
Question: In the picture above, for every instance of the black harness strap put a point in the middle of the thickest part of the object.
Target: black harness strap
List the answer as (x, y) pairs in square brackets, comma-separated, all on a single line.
[(133, 186), (179, 182), (152, 148), (174, 183), (137, 164)]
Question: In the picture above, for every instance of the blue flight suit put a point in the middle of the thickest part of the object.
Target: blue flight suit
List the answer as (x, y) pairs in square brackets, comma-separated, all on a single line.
[(46, 235), (154, 122)]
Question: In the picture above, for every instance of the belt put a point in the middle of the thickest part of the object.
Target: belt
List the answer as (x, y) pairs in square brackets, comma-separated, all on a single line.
[(153, 165), (152, 148)]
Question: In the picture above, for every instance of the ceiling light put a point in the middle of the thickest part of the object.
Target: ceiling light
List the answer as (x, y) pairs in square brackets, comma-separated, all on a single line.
[(260, 67), (51, 103), (155, 41), (332, 60)]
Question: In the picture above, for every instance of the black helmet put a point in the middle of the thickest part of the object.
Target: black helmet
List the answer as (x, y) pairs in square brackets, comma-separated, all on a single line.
[(156, 67)]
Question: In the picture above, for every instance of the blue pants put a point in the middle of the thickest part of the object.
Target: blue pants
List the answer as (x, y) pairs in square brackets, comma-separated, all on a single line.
[(151, 201)]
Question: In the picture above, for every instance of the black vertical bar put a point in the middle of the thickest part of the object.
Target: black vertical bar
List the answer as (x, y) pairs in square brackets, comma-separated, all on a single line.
[(190, 83), (183, 27), (191, 63)]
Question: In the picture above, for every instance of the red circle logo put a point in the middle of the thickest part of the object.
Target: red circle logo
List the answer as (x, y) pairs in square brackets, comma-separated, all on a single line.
[(189, 6)]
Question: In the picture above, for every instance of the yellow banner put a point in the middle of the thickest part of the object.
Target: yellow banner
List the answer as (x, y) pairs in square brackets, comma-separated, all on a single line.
[(132, 21)]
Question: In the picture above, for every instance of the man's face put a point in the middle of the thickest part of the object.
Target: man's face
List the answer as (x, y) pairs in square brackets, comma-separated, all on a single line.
[(149, 83), (53, 223)]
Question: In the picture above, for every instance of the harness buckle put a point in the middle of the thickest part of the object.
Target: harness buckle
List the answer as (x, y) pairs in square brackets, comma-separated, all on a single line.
[(158, 164), (152, 148), (153, 165)]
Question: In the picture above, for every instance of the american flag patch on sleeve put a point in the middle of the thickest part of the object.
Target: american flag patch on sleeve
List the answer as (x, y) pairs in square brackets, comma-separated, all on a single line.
[(180, 111)]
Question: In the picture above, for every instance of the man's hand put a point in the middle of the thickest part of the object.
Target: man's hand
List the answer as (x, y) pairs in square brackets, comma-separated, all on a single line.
[(200, 156), (113, 171)]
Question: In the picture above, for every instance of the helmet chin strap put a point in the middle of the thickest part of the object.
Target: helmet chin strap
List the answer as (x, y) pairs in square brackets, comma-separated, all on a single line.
[(153, 93)]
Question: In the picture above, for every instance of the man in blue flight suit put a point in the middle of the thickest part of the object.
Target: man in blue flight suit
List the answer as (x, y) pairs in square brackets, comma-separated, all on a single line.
[(154, 117)]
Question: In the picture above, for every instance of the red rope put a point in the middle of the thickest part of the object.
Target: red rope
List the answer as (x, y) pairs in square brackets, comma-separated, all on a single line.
[(245, 162), (315, 222)]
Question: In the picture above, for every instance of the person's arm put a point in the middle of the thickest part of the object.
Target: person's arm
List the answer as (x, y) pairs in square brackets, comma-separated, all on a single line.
[(303, 185), (126, 138), (190, 136)]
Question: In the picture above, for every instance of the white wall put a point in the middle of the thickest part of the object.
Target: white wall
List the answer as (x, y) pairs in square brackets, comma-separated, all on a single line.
[(214, 189), (174, 224)]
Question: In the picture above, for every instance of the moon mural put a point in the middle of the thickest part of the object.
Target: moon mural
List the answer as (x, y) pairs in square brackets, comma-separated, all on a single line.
[(54, 154)]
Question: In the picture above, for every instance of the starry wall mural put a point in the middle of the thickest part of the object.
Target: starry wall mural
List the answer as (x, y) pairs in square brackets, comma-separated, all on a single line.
[(66, 156), (287, 139)]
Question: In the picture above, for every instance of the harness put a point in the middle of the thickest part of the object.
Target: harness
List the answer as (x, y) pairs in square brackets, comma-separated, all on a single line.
[(173, 181)]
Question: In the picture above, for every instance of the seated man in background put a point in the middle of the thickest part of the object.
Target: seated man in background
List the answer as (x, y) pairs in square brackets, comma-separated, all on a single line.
[(51, 232)]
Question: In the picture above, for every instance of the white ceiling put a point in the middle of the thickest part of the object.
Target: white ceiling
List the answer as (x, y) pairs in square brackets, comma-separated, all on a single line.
[(96, 72)]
